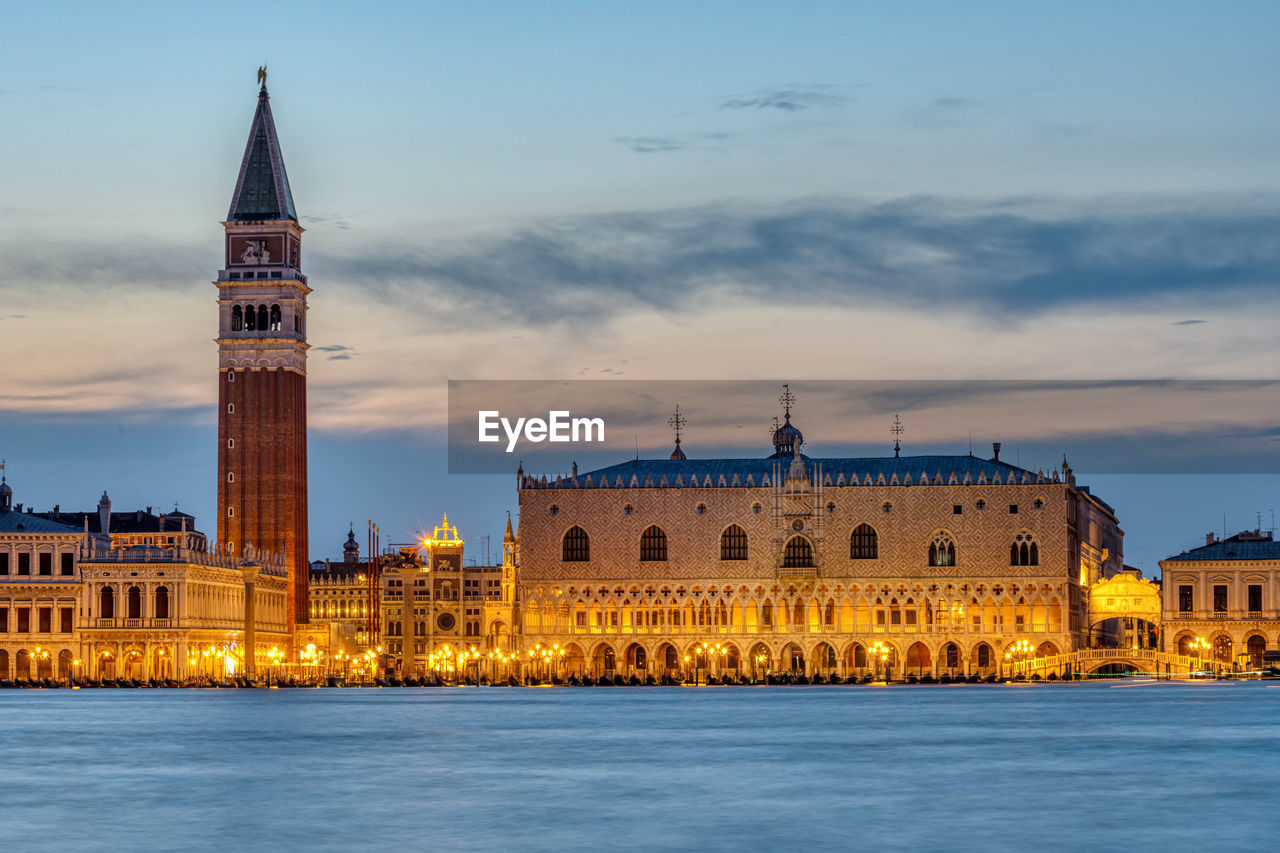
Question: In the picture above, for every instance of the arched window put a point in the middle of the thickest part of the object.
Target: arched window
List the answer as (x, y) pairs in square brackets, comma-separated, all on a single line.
[(107, 604), (162, 603), (798, 553), (653, 544), (984, 655), (942, 551), (237, 318), (863, 543), (135, 603), (1024, 551), (576, 547), (953, 655), (250, 319), (733, 543), (263, 322), (275, 318)]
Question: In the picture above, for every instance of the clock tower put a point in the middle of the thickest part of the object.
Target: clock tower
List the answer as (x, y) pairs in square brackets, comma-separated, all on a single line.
[(262, 365)]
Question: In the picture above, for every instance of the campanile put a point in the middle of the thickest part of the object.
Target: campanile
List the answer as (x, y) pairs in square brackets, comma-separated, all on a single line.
[(262, 364)]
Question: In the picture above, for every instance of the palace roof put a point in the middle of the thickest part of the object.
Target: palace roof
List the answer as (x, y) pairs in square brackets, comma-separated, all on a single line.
[(25, 522), (904, 470), (138, 521), (1243, 546)]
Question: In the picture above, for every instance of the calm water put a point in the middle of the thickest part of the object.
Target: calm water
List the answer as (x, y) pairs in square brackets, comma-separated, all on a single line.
[(1171, 766)]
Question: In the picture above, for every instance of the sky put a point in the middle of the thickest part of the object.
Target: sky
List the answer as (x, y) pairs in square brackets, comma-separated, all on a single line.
[(661, 191)]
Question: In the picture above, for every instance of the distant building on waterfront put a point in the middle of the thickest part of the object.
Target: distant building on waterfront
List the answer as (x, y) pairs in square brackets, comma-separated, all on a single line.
[(40, 592), (930, 564), (431, 599), (146, 600), (1222, 599)]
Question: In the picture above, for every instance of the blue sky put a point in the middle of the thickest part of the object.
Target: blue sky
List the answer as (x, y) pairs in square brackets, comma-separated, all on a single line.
[(548, 190)]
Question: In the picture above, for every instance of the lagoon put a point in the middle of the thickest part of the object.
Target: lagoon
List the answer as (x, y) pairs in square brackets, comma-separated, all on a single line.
[(1129, 765)]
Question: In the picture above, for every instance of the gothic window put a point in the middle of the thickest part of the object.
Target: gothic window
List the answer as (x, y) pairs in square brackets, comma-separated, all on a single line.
[(263, 322), (942, 551), (237, 319), (953, 656), (250, 318), (798, 553), (1024, 551), (275, 318), (733, 543), (863, 543), (766, 614), (576, 547), (653, 544)]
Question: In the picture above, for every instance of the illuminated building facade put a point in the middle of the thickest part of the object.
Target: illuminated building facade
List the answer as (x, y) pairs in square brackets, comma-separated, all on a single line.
[(39, 593), (175, 613), (431, 599), (108, 606), (339, 601), (1221, 601), (929, 565)]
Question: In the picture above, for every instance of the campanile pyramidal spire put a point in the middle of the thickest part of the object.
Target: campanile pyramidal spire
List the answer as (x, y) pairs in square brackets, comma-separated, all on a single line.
[(262, 364)]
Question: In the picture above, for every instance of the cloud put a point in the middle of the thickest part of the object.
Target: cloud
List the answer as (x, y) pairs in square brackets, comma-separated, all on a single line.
[(1011, 259), (787, 99), (331, 348), (342, 223), (651, 144), (1188, 322), (951, 102)]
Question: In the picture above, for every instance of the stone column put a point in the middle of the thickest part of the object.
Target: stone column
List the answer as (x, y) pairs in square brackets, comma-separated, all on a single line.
[(249, 569)]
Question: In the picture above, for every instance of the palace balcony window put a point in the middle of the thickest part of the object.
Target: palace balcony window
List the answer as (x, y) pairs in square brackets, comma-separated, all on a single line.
[(863, 543), (1220, 599), (68, 564), (798, 553), (733, 543), (653, 544), (1024, 551), (46, 564), (942, 551), (24, 564), (576, 547), (1185, 598), (1255, 598)]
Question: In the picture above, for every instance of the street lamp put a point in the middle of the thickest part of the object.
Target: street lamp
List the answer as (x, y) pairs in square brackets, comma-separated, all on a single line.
[(1199, 648), (761, 660), (1020, 652), (880, 651)]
